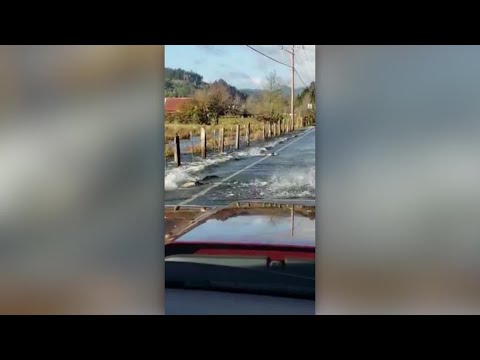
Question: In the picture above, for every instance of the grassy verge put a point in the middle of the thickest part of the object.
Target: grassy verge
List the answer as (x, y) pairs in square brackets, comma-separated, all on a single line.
[(227, 123), (183, 130)]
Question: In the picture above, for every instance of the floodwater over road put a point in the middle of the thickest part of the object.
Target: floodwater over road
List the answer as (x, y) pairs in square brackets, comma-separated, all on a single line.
[(280, 168)]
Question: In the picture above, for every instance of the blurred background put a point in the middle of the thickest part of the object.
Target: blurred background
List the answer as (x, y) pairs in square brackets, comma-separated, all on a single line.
[(81, 139), (398, 179), (397, 169)]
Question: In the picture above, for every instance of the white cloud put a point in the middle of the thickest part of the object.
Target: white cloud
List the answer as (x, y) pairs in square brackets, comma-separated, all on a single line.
[(304, 60), (256, 80)]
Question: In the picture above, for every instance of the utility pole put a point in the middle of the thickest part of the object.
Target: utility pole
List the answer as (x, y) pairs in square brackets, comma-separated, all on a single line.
[(292, 94), (292, 90)]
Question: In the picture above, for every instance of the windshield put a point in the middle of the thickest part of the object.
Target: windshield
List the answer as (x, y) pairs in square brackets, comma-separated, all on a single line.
[(250, 247)]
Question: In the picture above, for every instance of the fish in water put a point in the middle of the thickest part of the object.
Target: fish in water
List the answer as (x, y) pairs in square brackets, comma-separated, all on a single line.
[(199, 182), (191, 184), (209, 177)]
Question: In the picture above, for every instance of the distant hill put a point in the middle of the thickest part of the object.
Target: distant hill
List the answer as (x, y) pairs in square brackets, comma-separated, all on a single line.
[(286, 90), (182, 83), (252, 92), (234, 92)]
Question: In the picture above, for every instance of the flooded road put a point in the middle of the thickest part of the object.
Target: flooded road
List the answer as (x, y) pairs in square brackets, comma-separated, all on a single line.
[(280, 168)]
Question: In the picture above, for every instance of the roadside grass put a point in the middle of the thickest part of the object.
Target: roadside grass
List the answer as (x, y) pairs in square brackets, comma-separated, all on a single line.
[(228, 123)]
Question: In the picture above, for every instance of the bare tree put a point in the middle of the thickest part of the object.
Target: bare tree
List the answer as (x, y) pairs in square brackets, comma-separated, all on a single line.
[(306, 97), (215, 100), (272, 104), (273, 83), (252, 106), (238, 105)]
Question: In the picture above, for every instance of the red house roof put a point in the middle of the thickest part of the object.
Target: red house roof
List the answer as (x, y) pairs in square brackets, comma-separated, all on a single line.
[(174, 104)]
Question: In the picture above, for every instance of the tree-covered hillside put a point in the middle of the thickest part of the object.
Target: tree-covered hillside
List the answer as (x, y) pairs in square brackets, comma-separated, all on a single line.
[(182, 83)]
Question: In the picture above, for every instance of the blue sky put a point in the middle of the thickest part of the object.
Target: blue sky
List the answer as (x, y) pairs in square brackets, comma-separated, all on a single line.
[(239, 65)]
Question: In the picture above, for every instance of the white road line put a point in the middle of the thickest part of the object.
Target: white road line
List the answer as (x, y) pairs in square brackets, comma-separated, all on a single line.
[(203, 192)]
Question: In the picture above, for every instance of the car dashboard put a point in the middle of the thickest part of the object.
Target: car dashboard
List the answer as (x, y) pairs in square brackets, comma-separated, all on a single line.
[(200, 302), (247, 258)]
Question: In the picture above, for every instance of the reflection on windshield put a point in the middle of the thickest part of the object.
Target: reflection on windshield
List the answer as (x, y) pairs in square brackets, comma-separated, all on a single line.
[(257, 229), (249, 223)]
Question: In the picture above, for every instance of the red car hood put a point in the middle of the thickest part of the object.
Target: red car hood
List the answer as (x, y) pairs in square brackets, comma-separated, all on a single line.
[(276, 229)]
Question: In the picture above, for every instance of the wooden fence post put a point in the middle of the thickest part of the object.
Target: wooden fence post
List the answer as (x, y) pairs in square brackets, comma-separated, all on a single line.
[(214, 139), (237, 138), (191, 143), (221, 142), (176, 152), (247, 135), (203, 142), (263, 131)]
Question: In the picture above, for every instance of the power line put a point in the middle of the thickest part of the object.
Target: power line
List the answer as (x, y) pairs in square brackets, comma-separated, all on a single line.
[(301, 61), (300, 77), (268, 56), (292, 87), (300, 58), (294, 70)]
